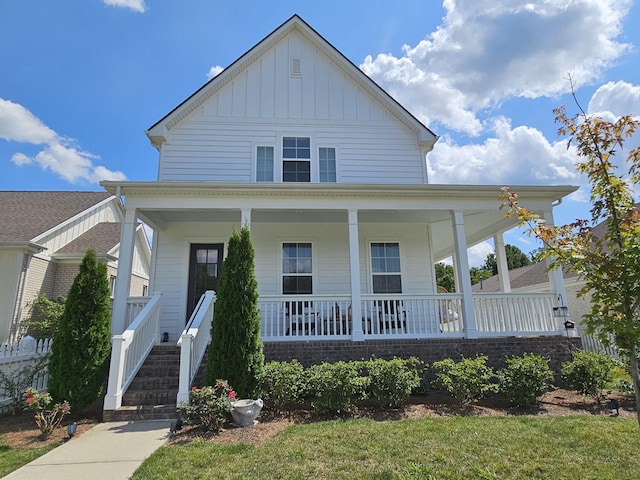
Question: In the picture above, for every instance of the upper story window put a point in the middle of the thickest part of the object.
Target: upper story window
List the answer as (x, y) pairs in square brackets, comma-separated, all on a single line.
[(264, 164), (327, 164), (385, 267), (296, 159)]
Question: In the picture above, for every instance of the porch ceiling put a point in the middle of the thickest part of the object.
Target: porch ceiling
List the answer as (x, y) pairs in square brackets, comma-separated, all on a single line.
[(160, 203)]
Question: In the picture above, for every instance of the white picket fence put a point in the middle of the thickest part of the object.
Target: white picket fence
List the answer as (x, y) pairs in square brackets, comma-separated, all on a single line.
[(16, 356)]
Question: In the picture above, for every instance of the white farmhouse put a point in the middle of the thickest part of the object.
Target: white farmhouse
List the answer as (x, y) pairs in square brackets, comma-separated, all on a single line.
[(329, 173)]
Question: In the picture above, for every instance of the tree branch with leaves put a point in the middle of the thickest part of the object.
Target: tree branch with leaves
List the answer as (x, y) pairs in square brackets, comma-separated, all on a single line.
[(607, 258)]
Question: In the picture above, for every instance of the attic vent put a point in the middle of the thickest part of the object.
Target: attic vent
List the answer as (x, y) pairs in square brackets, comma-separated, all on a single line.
[(296, 70)]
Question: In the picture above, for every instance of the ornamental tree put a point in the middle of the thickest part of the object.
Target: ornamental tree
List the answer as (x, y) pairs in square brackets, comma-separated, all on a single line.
[(236, 350), (608, 261), (79, 362)]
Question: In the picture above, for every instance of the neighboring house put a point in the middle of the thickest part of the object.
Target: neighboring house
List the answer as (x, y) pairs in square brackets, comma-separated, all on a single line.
[(329, 172), (43, 238)]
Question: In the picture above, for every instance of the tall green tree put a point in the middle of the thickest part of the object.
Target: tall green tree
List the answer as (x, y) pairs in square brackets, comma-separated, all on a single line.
[(516, 258), (236, 350), (79, 363), (445, 277), (609, 263)]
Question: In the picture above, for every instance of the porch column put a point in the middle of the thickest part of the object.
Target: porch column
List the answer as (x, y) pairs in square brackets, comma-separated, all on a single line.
[(354, 268), (556, 279), (503, 265), (245, 222), (462, 268), (123, 279)]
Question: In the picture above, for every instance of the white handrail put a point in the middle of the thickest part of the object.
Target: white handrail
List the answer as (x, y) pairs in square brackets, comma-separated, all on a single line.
[(193, 343), (130, 350)]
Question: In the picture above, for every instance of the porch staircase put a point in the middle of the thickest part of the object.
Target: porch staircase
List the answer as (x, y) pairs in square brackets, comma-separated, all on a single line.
[(152, 393)]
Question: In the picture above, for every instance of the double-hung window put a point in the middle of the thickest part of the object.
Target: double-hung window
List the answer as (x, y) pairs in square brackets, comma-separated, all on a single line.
[(296, 159), (264, 164), (385, 267), (297, 268)]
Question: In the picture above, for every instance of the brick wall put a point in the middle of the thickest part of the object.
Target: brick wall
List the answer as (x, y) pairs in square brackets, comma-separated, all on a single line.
[(556, 349)]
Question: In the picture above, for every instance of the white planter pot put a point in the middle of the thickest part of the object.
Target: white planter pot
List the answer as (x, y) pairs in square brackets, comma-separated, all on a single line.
[(245, 412)]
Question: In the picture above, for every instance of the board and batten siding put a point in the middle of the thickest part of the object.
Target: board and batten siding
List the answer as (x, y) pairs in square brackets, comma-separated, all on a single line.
[(264, 102), (331, 275)]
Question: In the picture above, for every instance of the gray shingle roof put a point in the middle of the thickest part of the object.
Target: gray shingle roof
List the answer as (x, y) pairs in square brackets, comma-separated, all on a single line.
[(101, 238), (25, 215)]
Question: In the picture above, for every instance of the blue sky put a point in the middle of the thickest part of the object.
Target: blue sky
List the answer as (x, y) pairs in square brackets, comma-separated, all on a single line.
[(81, 80)]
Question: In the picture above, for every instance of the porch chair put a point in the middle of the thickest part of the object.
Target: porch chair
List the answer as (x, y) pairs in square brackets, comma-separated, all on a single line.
[(446, 308), (392, 316), (300, 318)]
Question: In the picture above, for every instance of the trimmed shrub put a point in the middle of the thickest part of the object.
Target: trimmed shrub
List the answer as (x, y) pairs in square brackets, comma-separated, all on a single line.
[(468, 380), (79, 362), (44, 317), (236, 350), (525, 378), (589, 373), (284, 383), (392, 381), (336, 386)]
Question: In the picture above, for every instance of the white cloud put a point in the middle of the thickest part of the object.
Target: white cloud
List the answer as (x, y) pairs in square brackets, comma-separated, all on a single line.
[(616, 98), (520, 155), (17, 124), (135, 5), (70, 164), (486, 51), (478, 254), (214, 71), (60, 156)]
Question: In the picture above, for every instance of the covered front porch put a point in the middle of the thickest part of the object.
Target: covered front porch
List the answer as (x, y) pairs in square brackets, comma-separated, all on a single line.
[(346, 289)]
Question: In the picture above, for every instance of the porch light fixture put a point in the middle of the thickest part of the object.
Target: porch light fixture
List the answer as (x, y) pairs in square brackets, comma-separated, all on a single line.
[(71, 429)]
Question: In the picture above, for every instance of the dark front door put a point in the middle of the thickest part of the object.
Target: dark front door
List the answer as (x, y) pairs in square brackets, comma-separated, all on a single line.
[(205, 264)]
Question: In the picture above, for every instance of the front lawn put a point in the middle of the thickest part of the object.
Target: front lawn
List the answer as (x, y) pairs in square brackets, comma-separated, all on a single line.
[(525, 447), (12, 458)]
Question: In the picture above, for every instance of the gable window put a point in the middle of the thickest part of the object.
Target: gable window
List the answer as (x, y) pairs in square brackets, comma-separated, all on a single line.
[(264, 164), (296, 159), (327, 164), (385, 267), (297, 269)]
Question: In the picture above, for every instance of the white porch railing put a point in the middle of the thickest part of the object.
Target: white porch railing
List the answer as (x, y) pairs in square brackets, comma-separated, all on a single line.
[(296, 317), (508, 314), (300, 317), (130, 350), (134, 307), (193, 343), (18, 355)]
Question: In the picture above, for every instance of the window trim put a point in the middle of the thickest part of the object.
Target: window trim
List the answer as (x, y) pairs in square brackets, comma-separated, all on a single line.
[(335, 153), (281, 261), (370, 265), (278, 170), (254, 162)]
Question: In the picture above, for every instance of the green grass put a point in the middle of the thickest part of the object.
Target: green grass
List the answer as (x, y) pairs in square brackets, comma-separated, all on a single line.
[(443, 448), (13, 458)]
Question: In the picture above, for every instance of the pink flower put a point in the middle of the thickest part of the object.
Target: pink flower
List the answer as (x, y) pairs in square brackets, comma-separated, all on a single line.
[(194, 388), (29, 399), (232, 394)]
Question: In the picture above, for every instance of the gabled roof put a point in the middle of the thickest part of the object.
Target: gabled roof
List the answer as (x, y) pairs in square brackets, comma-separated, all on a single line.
[(26, 215), (102, 238), (157, 131)]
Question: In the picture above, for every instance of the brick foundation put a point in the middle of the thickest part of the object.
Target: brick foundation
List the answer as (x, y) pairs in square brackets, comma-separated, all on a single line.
[(554, 348)]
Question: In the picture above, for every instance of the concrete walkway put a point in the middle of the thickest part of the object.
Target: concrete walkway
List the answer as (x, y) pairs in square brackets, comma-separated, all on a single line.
[(112, 450)]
